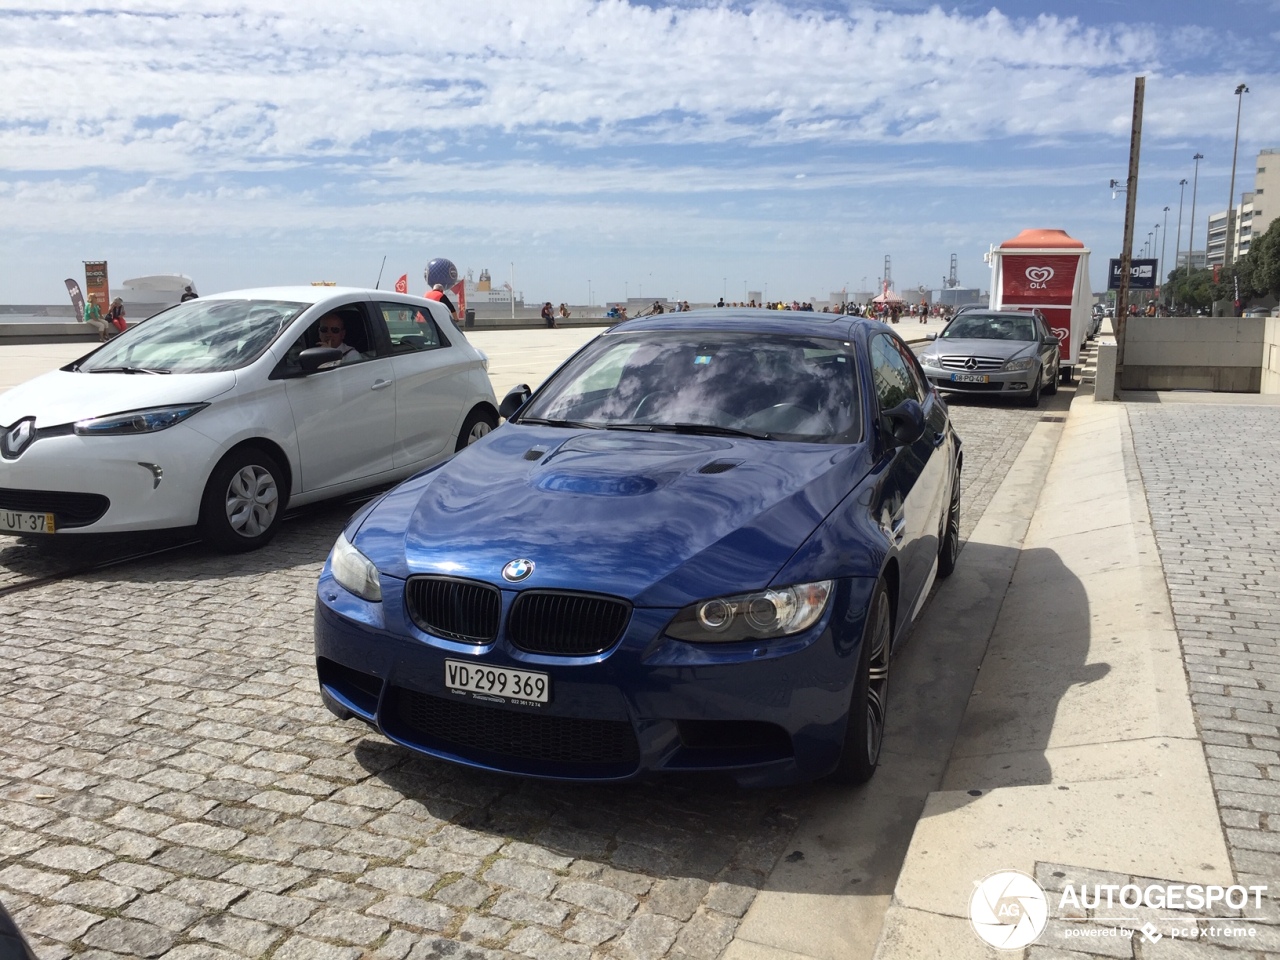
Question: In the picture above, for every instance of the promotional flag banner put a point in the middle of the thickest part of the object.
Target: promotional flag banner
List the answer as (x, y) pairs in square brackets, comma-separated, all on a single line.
[(402, 285), (77, 298), (459, 290)]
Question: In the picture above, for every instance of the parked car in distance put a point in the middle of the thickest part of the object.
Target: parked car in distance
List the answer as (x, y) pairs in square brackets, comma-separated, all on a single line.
[(1010, 353), (219, 412), (693, 548)]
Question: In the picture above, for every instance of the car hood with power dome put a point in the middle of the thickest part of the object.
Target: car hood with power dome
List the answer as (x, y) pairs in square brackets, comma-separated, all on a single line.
[(656, 517)]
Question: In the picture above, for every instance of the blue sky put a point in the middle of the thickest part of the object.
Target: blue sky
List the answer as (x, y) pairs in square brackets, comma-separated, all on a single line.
[(691, 149)]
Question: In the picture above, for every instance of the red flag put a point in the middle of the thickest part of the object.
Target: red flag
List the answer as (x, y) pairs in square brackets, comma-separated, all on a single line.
[(402, 285), (460, 290)]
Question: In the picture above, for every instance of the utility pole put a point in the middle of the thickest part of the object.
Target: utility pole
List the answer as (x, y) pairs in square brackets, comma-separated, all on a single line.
[(1164, 242), (1228, 253), (1191, 229), (1177, 247), (1130, 211)]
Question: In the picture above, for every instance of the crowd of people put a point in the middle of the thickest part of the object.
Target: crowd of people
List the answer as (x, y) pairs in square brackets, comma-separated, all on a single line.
[(893, 311)]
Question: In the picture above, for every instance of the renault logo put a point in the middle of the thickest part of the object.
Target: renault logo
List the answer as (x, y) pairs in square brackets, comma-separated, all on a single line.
[(517, 570), (17, 437)]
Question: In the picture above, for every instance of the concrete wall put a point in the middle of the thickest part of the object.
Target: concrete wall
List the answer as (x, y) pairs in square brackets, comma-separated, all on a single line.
[(1271, 355), (1223, 354)]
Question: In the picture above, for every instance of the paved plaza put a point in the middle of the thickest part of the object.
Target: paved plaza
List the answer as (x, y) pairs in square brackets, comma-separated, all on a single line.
[(171, 786)]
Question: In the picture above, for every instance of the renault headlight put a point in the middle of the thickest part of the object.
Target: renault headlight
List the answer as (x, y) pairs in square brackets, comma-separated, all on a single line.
[(354, 571), (136, 421), (764, 615), (1024, 364)]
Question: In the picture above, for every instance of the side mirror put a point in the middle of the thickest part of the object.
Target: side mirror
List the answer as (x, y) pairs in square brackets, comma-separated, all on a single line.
[(313, 358), (931, 336), (904, 423), (516, 398)]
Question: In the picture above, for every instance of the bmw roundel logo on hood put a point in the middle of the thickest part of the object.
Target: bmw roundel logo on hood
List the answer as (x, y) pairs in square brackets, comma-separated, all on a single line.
[(517, 570)]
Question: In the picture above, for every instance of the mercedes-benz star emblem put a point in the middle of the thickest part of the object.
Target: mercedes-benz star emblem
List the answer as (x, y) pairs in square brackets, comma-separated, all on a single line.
[(517, 570), (971, 364)]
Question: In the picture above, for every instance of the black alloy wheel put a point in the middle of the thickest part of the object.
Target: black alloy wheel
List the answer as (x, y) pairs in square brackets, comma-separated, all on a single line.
[(864, 730), (949, 546)]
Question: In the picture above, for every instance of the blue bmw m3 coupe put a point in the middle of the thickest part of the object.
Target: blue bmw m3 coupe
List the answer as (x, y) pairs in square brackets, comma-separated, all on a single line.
[(695, 547)]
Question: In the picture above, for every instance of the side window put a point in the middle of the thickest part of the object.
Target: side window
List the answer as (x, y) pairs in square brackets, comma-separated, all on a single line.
[(345, 328), (922, 388), (893, 379), (410, 328)]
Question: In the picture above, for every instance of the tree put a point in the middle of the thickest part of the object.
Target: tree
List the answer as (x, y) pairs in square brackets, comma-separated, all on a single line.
[(1262, 263)]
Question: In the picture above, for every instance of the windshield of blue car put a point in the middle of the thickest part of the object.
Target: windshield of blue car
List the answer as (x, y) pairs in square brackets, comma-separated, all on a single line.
[(729, 383), (199, 336), (990, 326)]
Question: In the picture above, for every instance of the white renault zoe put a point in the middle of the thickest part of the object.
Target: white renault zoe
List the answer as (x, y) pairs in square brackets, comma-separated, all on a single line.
[(220, 411)]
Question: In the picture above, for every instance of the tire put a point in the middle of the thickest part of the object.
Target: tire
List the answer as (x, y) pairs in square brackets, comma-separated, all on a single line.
[(1051, 385), (1032, 399), (864, 730), (243, 501), (949, 545), (480, 422)]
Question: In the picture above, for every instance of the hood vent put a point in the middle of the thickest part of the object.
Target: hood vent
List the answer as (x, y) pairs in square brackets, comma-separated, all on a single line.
[(719, 466), (534, 453)]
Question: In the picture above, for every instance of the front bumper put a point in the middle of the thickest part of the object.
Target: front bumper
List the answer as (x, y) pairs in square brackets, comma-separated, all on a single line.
[(111, 484), (767, 713), (1008, 383)]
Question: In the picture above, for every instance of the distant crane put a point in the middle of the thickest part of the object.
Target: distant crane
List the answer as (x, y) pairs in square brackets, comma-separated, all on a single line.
[(952, 281), (888, 275)]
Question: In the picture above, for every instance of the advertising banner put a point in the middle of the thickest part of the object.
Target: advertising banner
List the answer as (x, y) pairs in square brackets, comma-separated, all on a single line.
[(77, 298), (1039, 279), (1142, 274), (95, 282)]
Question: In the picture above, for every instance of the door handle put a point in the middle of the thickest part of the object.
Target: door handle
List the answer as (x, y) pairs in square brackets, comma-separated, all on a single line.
[(381, 384), (939, 438), (898, 531)]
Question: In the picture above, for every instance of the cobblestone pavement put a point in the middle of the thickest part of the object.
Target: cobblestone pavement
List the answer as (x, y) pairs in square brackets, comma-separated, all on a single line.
[(171, 786)]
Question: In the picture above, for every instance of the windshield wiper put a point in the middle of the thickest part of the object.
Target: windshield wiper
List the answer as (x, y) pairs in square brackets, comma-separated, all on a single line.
[(150, 370), (707, 428), (541, 422)]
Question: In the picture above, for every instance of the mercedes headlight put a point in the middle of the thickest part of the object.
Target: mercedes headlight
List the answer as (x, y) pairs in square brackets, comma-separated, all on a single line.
[(136, 421), (1024, 364), (354, 571), (764, 615)]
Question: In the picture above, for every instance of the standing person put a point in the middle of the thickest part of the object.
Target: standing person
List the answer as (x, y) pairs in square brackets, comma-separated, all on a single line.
[(548, 314), (115, 316), (924, 311), (188, 294), (437, 293), (93, 317), (895, 312)]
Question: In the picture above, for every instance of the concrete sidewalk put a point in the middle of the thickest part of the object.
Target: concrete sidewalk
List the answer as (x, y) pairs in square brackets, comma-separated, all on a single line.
[(1078, 757)]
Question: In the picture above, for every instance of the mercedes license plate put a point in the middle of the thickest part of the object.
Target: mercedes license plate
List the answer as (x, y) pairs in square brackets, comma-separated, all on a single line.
[(969, 378), (16, 521), (497, 683)]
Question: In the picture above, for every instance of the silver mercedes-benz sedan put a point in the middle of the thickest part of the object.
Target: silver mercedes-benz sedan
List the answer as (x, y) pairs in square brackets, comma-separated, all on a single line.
[(1010, 353)]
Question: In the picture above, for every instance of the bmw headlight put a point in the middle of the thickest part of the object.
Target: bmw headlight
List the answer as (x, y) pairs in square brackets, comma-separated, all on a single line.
[(1024, 364), (753, 616), (136, 421), (355, 571)]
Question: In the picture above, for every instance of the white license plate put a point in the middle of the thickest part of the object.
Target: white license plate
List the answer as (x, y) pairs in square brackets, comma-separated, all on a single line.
[(15, 521), (499, 683), (969, 378)]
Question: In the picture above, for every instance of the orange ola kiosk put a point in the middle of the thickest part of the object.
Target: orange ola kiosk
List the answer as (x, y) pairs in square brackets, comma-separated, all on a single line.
[(1047, 270)]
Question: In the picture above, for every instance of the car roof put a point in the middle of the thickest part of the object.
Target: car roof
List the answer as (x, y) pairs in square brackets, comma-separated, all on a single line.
[(300, 293), (802, 322)]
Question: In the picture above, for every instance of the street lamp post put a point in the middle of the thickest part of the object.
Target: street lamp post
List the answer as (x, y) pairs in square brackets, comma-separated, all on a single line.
[(1177, 247), (1191, 228), (590, 301), (1228, 254), (1164, 242)]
